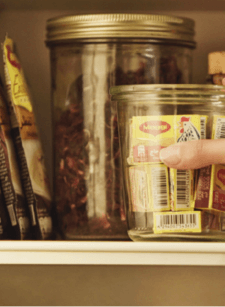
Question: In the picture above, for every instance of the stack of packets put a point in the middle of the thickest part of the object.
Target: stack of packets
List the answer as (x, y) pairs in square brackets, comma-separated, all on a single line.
[(180, 200), (210, 192), (25, 201)]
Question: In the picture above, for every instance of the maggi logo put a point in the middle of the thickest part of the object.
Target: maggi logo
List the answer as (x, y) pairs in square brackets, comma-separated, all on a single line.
[(162, 127), (155, 127)]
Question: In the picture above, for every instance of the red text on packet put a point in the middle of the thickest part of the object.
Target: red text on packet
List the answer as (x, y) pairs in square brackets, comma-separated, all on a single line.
[(155, 127)]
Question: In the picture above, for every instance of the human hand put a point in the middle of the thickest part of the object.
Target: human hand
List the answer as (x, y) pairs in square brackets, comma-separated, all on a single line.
[(194, 154)]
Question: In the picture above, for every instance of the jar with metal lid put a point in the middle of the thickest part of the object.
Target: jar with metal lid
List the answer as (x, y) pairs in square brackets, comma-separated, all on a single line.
[(164, 203), (89, 54)]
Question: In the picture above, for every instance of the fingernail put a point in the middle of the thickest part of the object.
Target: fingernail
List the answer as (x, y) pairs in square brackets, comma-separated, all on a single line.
[(170, 155)]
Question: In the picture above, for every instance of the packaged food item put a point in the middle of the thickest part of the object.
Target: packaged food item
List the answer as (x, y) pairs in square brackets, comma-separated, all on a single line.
[(149, 134), (149, 188), (12, 190), (210, 193), (27, 145), (183, 181), (7, 230)]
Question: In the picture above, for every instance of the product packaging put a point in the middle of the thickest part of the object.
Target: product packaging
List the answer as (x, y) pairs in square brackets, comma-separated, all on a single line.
[(11, 187), (210, 193), (148, 135), (27, 145)]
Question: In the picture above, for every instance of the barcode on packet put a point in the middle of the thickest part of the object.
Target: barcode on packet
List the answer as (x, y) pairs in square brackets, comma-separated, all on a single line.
[(183, 188), (177, 222), (203, 127), (220, 128), (159, 187)]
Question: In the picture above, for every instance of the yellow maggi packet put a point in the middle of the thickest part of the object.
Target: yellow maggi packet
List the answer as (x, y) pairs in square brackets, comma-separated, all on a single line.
[(182, 189), (210, 192), (183, 182), (149, 134), (149, 185)]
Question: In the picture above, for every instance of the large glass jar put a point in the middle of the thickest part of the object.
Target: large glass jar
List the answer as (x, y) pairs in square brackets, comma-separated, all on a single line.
[(164, 203), (89, 54)]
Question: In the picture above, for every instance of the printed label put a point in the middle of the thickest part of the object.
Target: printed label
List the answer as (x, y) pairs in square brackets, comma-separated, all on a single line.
[(149, 188), (182, 192), (167, 222), (218, 127), (203, 188), (218, 187), (26, 141), (155, 127), (149, 134), (19, 90), (210, 191)]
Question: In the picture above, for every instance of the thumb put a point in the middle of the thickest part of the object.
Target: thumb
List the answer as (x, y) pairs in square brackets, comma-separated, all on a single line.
[(194, 154)]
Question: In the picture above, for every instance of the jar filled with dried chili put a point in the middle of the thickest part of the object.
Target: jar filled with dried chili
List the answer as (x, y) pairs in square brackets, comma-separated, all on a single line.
[(89, 54)]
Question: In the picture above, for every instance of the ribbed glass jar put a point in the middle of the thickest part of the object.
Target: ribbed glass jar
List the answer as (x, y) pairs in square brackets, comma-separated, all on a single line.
[(89, 54), (164, 203)]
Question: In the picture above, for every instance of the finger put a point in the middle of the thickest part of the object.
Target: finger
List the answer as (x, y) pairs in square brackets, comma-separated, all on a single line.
[(194, 154)]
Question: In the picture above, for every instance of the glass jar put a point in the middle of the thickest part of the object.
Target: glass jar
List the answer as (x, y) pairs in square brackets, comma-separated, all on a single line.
[(163, 203), (89, 54)]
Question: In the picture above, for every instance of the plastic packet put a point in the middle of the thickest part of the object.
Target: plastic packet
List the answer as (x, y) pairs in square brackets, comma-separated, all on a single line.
[(12, 191), (210, 193), (27, 145)]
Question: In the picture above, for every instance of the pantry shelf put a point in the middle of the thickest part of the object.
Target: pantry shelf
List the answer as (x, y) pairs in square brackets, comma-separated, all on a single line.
[(111, 253)]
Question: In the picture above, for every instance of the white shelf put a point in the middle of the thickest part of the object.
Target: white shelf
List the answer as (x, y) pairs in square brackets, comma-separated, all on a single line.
[(111, 253)]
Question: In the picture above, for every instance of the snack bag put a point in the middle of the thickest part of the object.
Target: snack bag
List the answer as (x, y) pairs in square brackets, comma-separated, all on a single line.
[(12, 193), (27, 145)]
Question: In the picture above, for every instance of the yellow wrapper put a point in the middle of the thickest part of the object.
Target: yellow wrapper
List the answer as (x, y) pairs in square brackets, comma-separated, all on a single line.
[(189, 127), (182, 189), (183, 221), (149, 187), (149, 134), (210, 193)]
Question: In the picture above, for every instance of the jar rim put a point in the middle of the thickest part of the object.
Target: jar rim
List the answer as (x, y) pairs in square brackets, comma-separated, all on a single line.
[(167, 91), (105, 26)]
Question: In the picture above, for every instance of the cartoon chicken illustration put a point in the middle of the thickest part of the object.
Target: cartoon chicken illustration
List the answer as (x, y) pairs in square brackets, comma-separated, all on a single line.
[(187, 130)]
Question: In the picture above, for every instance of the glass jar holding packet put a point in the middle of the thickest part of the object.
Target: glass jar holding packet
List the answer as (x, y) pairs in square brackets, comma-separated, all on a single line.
[(89, 54), (164, 203)]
